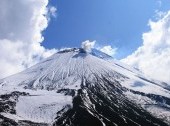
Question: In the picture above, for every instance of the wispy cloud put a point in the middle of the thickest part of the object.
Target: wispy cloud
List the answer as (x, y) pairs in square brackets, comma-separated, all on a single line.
[(159, 2), (153, 57), (21, 24)]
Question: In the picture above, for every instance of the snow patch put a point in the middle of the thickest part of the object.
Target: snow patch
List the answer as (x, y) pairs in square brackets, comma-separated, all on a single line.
[(41, 108)]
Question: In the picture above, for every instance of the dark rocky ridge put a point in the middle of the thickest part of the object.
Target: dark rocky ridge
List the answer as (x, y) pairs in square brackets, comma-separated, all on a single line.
[(105, 104)]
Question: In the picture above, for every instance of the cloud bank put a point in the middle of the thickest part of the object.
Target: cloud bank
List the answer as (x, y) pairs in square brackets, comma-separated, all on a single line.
[(21, 26), (153, 57)]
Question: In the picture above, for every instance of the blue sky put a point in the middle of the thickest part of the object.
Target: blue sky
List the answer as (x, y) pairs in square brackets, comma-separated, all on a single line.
[(117, 23)]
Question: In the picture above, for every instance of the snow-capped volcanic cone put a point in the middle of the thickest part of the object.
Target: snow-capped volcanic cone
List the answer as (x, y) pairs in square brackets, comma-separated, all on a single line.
[(75, 87)]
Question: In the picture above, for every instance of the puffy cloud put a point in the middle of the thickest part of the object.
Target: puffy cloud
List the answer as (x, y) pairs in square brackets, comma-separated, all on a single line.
[(153, 57), (21, 24), (87, 45), (108, 50), (52, 11)]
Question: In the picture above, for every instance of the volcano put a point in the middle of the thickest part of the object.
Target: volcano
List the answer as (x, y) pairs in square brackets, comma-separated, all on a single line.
[(78, 88)]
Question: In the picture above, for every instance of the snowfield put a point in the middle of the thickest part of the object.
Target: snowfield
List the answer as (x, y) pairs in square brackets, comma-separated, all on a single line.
[(41, 108)]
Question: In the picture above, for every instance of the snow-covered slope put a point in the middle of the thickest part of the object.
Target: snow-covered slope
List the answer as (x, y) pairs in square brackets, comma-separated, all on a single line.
[(61, 88)]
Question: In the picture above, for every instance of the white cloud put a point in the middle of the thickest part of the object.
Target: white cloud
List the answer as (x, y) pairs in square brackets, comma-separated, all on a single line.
[(52, 11), (153, 57), (108, 50), (21, 24), (88, 45)]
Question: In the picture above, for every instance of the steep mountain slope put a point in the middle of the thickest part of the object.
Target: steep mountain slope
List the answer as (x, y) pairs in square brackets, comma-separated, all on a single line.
[(77, 88)]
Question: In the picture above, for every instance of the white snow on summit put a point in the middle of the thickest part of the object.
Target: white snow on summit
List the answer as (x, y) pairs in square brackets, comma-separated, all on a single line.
[(66, 70)]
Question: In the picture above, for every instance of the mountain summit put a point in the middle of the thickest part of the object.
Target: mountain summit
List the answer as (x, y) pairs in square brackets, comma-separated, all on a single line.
[(75, 87)]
